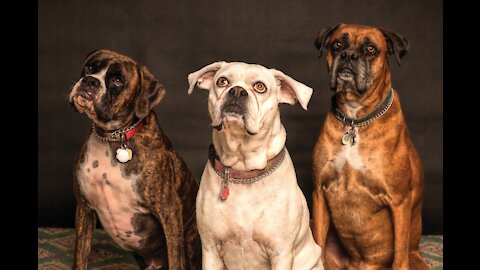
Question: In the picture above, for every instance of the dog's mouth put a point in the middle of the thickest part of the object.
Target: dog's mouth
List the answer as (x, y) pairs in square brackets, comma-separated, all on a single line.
[(86, 95), (83, 101), (233, 112), (233, 109), (345, 74)]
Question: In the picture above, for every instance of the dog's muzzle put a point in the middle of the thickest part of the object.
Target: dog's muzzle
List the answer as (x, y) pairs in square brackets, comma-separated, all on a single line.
[(345, 73), (84, 94), (88, 88), (235, 101), (345, 70)]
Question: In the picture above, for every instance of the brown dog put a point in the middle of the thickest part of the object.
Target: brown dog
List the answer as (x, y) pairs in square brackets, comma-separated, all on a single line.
[(368, 178), (127, 172)]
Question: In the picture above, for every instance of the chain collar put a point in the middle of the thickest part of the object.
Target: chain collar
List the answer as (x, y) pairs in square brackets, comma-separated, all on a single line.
[(227, 172), (381, 108), (116, 136)]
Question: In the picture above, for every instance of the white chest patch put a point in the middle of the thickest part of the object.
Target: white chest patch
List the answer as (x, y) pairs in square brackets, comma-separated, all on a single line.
[(349, 153), (110, 193), (352, 108)]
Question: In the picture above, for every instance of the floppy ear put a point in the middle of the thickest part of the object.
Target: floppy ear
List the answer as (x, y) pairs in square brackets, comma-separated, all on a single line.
[(151, 93), (292, 90), (322, 36), (203, 78), (397, 44)]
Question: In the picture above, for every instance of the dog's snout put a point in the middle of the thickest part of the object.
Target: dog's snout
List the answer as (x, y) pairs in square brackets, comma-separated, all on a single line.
[(88, 87), (90, 81), (238, 92), (349, 55)]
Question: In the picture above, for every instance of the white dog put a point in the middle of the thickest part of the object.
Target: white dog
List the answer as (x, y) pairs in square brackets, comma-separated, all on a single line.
[(251, 213)]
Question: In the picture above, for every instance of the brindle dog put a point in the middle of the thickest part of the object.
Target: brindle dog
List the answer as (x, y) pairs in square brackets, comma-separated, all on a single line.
[(146, 204)]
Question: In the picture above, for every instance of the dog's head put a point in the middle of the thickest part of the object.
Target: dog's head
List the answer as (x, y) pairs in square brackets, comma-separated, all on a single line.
[(113, 90), (357, 55), (247, 93)]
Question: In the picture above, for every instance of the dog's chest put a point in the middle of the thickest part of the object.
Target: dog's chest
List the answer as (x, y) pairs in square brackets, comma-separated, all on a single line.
[(252, 217), (244, 226), (356, 180), (110, 193), (349, 154)]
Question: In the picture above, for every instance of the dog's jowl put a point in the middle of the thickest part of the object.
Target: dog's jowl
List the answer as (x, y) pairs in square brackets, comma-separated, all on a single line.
[(368, 178), (127, 173), (251, 213)]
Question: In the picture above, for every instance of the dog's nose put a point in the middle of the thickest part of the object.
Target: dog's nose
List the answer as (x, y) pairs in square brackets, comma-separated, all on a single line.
[(238, 92), (90, 81), (89, 87), (349, 55)]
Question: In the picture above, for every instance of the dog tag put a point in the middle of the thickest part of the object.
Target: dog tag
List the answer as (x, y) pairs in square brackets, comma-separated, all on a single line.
[(346, 138), (124, 154), (225, 191)]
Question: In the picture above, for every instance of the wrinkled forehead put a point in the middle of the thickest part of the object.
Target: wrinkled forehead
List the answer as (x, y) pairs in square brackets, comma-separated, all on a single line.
[(237, 71), (358, 34), (107, 59)]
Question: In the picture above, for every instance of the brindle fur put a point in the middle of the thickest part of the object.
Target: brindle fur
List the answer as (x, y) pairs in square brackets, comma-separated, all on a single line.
[(166, 187)]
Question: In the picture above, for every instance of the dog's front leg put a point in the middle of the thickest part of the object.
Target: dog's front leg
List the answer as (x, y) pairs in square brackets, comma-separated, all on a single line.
[(84, 226), (281, 257), (401, 212), (211, 259), (321, 218), (169, 212)]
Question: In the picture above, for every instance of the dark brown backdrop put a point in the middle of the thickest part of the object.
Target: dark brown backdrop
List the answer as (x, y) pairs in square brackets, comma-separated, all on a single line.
[(174, 38)]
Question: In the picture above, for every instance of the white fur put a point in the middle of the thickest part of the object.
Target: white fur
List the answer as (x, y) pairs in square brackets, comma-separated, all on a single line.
[(101, 77), (349, 153), (263, 225), (351, 109), (116, 202), (235, 147)]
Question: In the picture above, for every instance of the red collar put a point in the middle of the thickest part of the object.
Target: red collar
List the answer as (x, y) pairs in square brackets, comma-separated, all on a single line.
[(120, 134)]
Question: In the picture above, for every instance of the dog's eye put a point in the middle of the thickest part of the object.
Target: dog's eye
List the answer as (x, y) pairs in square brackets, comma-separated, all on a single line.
[(337, 45), (116, 80), (371, 49), (259, 87), (90, 68), (222, 82)]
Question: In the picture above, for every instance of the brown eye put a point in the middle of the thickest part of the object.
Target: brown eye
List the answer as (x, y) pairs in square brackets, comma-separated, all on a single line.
[(116, 80), (222, 82), (370, 49), (90, 68), (337, 45), (259, 87)]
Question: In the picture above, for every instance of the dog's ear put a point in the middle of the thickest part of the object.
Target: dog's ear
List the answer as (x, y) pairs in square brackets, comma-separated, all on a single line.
[(292, 90), (396, 43), (151, 93), (203, 78), (322, 36)]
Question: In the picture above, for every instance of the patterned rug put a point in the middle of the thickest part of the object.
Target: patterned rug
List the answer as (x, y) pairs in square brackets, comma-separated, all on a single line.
[(55, 251)]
